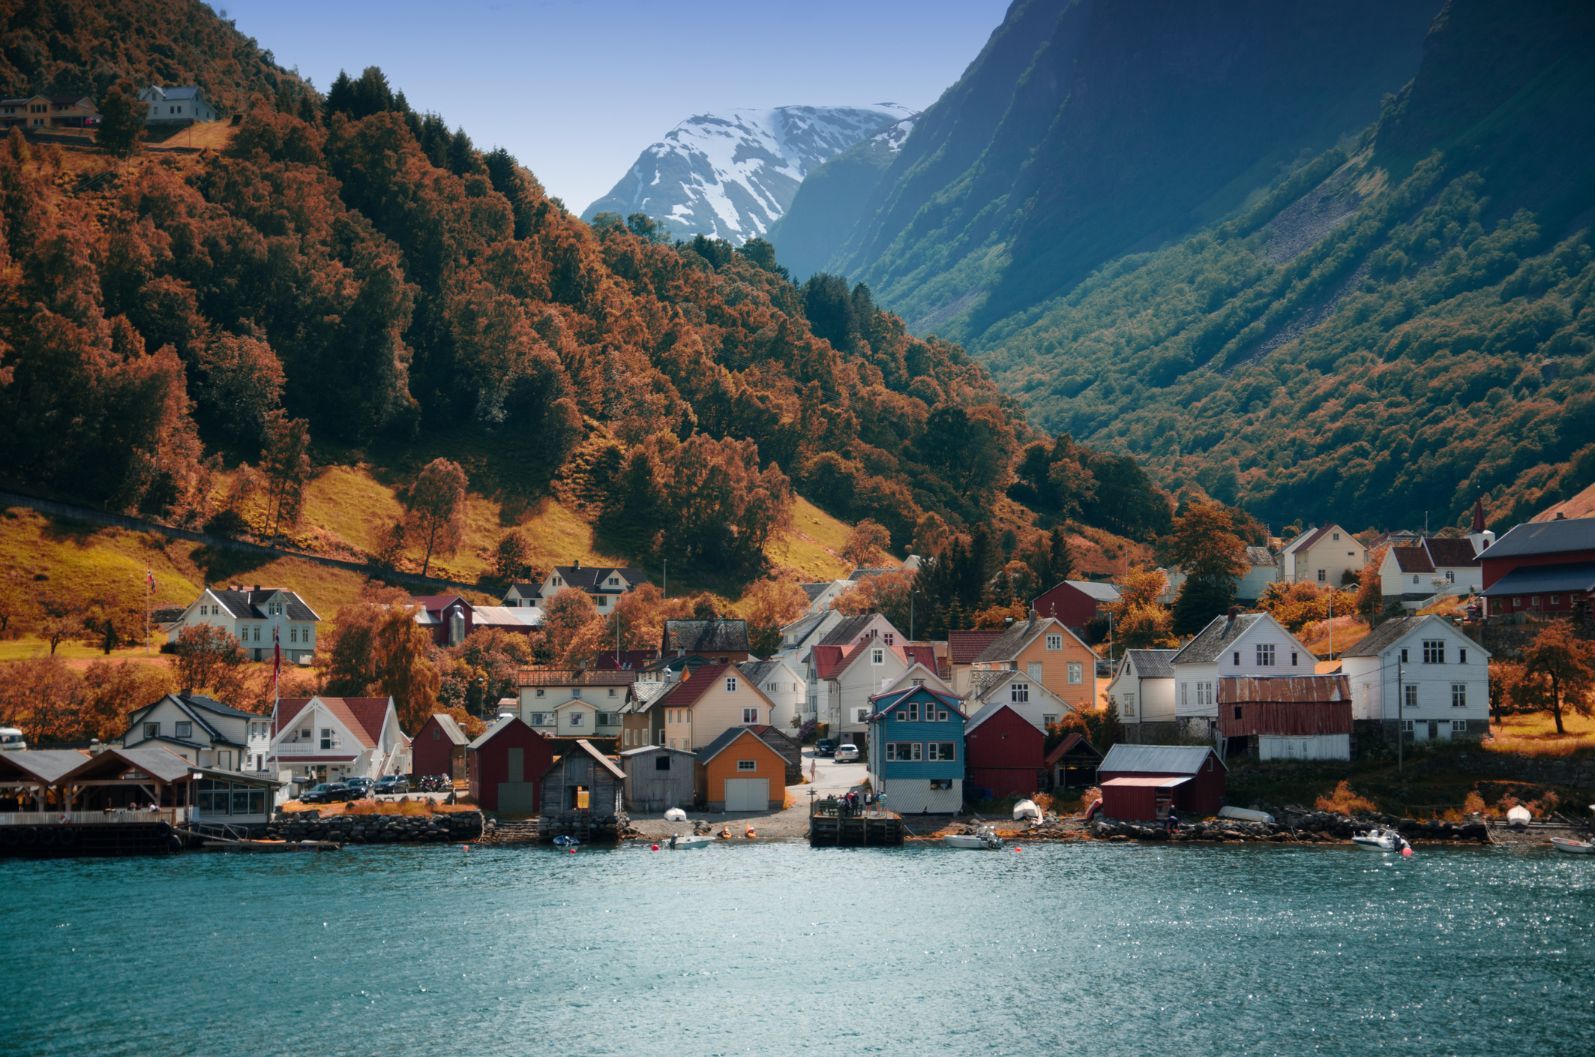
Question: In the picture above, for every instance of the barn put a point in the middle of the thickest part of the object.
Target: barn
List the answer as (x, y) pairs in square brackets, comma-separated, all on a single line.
[(1285, 717), (440, 747), (1141, 782), (658, 778), (741, 771), (583, 795), (1003, 755), (507, 763)]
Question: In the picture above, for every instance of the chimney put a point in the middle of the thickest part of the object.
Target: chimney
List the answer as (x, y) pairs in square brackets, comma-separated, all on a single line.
[(578, 564), (1561, 515), (257, 589)]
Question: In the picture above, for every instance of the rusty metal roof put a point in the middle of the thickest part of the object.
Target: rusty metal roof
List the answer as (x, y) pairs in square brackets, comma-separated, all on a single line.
[(1288, 689)]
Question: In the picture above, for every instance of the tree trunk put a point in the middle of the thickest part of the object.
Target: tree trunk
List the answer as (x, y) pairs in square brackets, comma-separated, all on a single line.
[(426, 562), (1556, 703)]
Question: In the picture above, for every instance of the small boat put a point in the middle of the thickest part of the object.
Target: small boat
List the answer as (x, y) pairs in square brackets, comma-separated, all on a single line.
[(983, 839), (1378, 839), (683, 842), (564, 841), (1573, 847)]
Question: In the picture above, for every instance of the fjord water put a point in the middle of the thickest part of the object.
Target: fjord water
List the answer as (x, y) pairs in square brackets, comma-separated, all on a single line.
[(780, 949)]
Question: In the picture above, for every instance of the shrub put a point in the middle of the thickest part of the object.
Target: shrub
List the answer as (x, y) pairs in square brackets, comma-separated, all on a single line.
[(1344, 802)]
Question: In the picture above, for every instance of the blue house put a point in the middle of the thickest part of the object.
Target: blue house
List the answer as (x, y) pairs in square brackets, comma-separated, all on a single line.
[(916, 750)]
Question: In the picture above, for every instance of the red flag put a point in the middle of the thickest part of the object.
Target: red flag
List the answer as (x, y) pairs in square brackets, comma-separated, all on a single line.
[(149, 578)]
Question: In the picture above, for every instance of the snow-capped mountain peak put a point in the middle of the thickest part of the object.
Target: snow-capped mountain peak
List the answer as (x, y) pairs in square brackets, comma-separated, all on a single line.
[(732, 175)]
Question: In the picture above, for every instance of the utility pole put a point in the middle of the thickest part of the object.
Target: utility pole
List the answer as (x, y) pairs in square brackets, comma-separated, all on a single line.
[(1401, 733), (665, 591)]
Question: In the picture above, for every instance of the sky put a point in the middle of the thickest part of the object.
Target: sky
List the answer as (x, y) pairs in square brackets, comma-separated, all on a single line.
[(577, 88)]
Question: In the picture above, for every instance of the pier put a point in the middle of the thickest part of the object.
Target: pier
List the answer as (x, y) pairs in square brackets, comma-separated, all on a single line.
[(832, 824)]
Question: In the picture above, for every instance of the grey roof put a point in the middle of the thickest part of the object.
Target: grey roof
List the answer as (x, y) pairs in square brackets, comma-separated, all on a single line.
[(756, 671), (1156, 759), (46, 765), (177, 91), (1215, 638), (162, 763), (983, 681), (590, 578), (730, 734), (815, 590), (1382, 637), (1095, 590), (1545, 537), (1544, 579), (644, 694), (1259, 555), (707, 636), (210, 704), (858, 575), (849, 629), (451, 729), (654, 748), (249, 603), (1011, 641), (1153, 664)]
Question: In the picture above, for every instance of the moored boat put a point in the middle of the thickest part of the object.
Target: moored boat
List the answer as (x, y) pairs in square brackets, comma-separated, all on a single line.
[(983, 839), (683, 842), (1380, 839), (1573, 847)]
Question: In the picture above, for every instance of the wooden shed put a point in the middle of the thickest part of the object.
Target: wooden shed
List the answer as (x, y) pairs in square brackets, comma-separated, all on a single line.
[(1003, 755), (1072, 763), (507, 764), (583, 795), (658, 778), (741, 771), (1141, 782), (440, 747)]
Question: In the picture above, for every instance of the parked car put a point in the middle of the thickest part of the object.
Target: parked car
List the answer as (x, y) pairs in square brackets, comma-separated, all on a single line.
[(391, 783), (359, 786), (847, 754), (825, 747), (326, 793)]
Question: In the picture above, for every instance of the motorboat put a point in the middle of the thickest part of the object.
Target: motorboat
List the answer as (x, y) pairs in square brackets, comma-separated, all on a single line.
[(685, 842), (1380, 839), (983, 839), (1573, 847), (566, 841)]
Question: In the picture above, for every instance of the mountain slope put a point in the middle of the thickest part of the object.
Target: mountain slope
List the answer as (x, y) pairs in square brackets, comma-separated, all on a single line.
[(731, 176)]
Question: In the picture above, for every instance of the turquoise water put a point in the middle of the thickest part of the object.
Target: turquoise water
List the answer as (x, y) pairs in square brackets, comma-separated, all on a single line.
[(779, 949)]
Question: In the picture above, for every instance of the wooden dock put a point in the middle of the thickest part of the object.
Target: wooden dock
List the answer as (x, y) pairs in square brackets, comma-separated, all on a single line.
[(832, 826)]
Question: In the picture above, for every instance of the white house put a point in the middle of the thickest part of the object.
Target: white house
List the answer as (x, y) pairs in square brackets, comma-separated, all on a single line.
[(574, 702), (176, 104), (328, 739), (1423, 673), (845, 677), (1232, 645), (1432, 566), (1142, 693), (995, 689), (840, 635), (253, 616), (603, 583), (523, 595), (202, 731), (1328, 555), (784, 684)]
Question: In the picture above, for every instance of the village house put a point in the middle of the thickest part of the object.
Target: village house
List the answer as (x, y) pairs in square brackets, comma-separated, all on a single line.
[(659, 778), (523, 595), (1140, 783), (742, 770), (1142, 694), (1431, 567), (1262, 569), (1004, 754), (1238, 644), (1076, 603), (184, 793), (1421, 675), (706, 702), (176, 105), (1544, 568), (451, 618), (1051, 655), (603, 583), (640, 725), (798, 637), (783, 684), (507, 764), (1010, 688), (440, 747), (582, 795), (724, 641), (48, 111), (963, 650), (1285, 717), (260, 618), (916, 751), (328, 739), (573, 702), (847, 676), (202, 731), (1328, 555)]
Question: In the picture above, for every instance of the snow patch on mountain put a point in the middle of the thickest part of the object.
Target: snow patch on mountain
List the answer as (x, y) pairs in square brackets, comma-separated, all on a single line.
[(732, 175)]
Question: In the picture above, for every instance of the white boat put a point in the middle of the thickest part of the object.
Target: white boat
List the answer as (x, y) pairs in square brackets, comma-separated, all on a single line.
[(1573, 847), (983, 839), (1378, 839), (683, 842)]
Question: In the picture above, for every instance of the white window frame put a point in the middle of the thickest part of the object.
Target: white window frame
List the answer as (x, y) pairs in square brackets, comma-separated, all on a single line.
[(877, 655), (1409, 693), (1054, 642), (731, 684), (1076, 673), (185, 729), (1020, 694), (744, 766), (1459, 695), (1266, 655), (750, 715), (1434, 651)]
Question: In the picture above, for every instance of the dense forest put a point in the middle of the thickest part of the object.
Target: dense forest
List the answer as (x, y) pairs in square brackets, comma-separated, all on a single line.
[(352, 277)]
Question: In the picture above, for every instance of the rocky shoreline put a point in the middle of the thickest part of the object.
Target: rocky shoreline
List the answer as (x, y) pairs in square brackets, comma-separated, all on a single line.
[(1312, 827), (380, 829)]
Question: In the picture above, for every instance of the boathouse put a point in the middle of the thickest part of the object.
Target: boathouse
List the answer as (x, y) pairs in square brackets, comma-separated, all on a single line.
[(1072, 763), (658, 778), (507, 765), (1141, 782), (1003, 755), (742, 770), (582, 795), (440, 747)]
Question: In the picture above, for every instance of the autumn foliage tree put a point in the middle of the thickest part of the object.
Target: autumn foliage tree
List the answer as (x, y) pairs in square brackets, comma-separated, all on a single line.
[(435, 513), (1564, 665), (768, 606), (1206, 547), (865, 541), (379, 650), (1140, 620), (210, 660)]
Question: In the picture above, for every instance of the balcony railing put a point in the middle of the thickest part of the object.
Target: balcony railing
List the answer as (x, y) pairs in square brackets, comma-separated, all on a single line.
[(115, 816), (310, 748)]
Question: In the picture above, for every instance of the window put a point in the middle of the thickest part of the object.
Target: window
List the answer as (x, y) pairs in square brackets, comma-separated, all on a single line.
[(1076, 672), (750, 715), (577, 718), (1185, 697), (877, 656), (1459, 695), (731, 685), (152, 730), (1433, 651), (1293, 658), (611, 691), (1411, 693), (576, 692), (1555, 599), (1335, 536), (1450, 576), (185, 730), (1534, 601), (941, 785), (1054, 642), (1406, 726), (941, 750), (1321, 577), (662, 762), (1404, 657), (606, 719), (539, 691), (1459, 726), (888, 638), (539, 719), (913, 711), (1517, 601), (1204, 694), (747, 765), (1021, 693), (1049, 719), (860, 715), (1265, 655), (329, 740), (293, 634), (1235, 658), (1414, 577), (769, 686), (1462, 655), (1238, 711), (903, 751), (274, 609)]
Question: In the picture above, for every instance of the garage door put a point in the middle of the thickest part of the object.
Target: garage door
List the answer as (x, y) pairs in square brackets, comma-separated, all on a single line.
[(747, 794), (515, 798)]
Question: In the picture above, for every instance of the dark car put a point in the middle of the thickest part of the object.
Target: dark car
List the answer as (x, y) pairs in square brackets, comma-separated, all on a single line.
[(359, 788), (326, 793), (825, 747), (391, 783)]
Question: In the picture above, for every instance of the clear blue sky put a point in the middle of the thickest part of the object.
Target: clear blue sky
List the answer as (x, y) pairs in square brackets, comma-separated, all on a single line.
[(576, 90)]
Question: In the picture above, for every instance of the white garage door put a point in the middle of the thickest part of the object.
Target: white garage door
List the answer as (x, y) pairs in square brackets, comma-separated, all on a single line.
[(747, 794)]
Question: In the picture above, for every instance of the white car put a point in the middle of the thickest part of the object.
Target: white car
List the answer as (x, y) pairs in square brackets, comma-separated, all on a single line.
[(846, 754)]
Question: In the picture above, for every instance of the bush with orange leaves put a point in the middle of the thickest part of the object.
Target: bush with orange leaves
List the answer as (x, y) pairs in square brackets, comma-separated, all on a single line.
[(1344, 802)]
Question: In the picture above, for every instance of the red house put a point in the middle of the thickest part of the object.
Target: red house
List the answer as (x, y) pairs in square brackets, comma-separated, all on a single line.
[(1003, 755), (1141, 782), (1075, 603), (1541, 568), (507, 764), (439, 747)]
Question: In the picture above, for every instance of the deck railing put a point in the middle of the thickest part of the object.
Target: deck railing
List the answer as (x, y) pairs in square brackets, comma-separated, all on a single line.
[(116, 816)]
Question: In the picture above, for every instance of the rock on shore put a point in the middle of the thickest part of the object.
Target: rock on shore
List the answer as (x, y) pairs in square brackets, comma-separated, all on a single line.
[(380, 829)]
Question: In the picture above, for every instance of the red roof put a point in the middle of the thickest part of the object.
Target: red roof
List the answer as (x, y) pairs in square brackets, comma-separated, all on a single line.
[(693, 685), (965, 646), (1412, 559), (363, 716), (437, 603), (828, 661), (1451, 552), (920, 653)]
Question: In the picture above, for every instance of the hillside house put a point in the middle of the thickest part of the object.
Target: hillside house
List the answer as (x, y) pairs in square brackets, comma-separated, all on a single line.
[(1328, 555), (723, 641), (440, 747), (523, 595), (1140, 783), (1262, 569), (573, 702), (706, 702), (784, 685), (1544, 568), (1076, 603), (328, 739), (1285, 717), (916, 751), (1004, 754), (176, 105), (260, 618), (48, 111), (1051, 654), (582, 795), (659, 778), (1142, 693), (507, 764), (603, 583), (1421, 675), (742, 770), (1432, 566), (798, 637), (202, 731), (1234, 645), (846, 677), (451, 618), (1009, 688)]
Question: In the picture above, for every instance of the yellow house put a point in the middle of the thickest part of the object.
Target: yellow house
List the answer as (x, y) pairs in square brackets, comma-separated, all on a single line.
[(1048, 653), (707, 702)]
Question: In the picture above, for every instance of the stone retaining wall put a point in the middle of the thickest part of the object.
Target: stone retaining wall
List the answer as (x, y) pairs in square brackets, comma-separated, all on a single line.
[(1313, 827), (380, 829)]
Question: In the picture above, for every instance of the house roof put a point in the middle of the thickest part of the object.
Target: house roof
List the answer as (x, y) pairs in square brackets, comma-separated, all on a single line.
[(1544, 579), (525, 588), (1290, 689), (642, 749), (499, 726), (251, 602), (161, 764), (1215, 638), (624, 660), (1095, 589), (1259, 555), (364, 716), (1007, 645), (42, 765), (1152, 664), (1450, 552), (990, 710), (573, 677), (583, 745), (828, 661), (177, 91), (707, 636), (1156, 759), (690, 688), (886, 702), (730, 735), (965, 647), (921, 653), (451, 729), (1071, 743), (849, 629), (1144, 783), (592, 578), (516, 618), (758, 671), (1383, 637), (1545, 537), (1412, 559)]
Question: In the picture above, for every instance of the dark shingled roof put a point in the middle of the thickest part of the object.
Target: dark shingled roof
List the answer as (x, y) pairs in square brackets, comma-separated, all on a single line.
[(1011, 641), (591, 578), (1545, 537), (1449, 552), (1153, 664), (761, 733), (849, 629), (1412, 559), (1382, 637), (706, 636), (1215, 638), (252, 603)]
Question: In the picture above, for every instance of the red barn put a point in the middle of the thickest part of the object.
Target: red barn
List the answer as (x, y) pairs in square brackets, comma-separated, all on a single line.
[(507, 765), (1542, 568), (439, 747), (1141, 782), (1003, 755), (1075, 603)]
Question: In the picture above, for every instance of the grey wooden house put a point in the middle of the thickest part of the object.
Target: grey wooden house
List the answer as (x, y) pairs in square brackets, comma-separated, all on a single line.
[(658, 778), (582, 796)]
